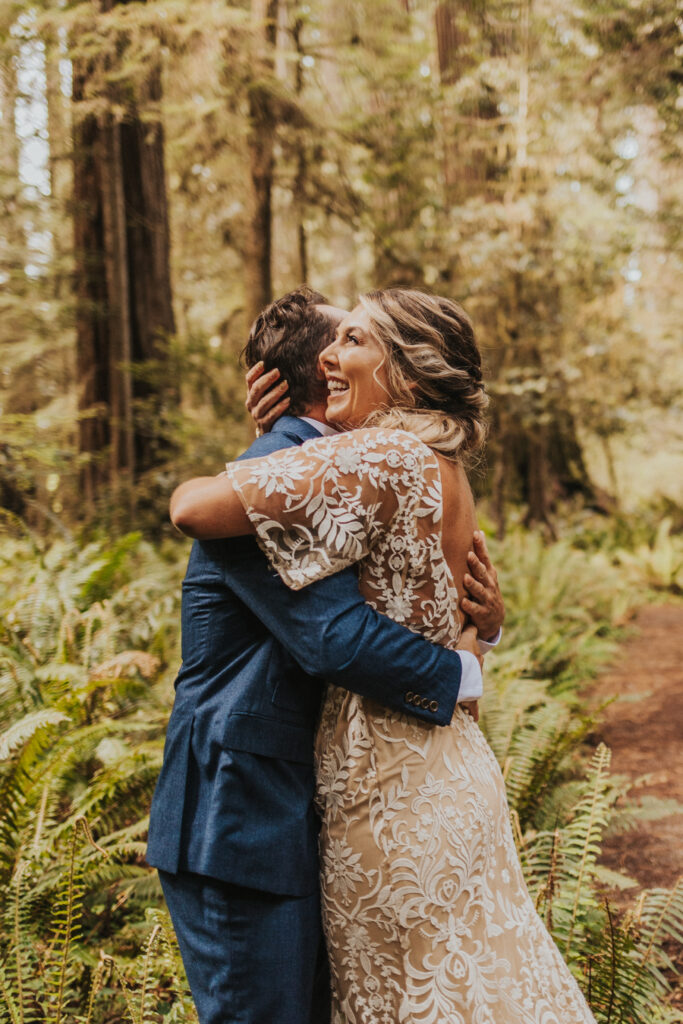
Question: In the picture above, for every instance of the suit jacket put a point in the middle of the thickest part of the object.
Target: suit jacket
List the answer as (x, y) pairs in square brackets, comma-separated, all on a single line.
[(234, 799)]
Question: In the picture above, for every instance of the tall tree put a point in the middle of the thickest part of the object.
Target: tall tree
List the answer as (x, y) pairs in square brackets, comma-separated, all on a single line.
[(60, 163), (486, 51), (12, 240), (123, 285), (262, 120)]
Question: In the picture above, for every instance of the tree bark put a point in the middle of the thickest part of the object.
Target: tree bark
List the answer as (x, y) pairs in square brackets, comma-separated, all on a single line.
[(262, 121), (468, 144), (61, 184), (12, 242), (301, 167), (123, 285)]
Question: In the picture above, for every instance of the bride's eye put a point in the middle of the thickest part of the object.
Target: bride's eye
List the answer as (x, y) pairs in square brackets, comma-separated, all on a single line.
[(353, 339)]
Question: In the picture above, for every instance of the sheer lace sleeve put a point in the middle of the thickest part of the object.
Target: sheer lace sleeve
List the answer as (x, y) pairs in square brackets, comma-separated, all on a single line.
[(323, 506)]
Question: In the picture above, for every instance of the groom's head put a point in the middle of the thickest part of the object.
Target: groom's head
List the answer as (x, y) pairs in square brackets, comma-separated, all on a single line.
[(289, 335)]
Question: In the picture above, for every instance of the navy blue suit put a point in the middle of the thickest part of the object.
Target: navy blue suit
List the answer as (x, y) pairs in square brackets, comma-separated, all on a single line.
[(232, 818)]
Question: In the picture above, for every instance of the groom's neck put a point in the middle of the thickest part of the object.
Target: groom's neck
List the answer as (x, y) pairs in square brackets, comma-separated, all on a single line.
[(317, 412)]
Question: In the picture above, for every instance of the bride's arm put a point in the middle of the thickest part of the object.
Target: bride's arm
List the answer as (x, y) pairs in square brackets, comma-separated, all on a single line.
[(207, 508), (286, 488)]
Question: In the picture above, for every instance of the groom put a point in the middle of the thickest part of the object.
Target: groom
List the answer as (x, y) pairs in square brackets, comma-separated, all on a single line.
[(233, 831)]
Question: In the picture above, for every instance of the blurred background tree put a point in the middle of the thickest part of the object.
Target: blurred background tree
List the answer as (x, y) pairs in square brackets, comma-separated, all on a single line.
[(167, 168)]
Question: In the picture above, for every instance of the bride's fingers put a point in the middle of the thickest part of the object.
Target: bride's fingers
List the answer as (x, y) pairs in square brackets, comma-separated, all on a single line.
[(253, 373), (260, 389), (264, 408), (266, 423)]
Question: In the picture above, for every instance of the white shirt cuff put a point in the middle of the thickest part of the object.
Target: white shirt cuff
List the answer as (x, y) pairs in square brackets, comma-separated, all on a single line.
[(471, 681), (487, 645)]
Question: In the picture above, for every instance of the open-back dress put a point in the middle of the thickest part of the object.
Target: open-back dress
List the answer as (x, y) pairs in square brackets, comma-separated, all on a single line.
[(426, 913)]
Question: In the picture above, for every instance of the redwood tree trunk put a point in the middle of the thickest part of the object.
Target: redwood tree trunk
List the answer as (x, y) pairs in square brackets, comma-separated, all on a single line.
[(258, 276), (123, 286), (12, 242)]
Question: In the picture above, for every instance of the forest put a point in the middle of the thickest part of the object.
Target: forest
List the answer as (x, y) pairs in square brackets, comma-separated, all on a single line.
[(166, 169)]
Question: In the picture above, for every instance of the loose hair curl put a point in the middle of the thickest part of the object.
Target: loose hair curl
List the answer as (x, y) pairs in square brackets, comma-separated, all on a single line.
[(434, 370)]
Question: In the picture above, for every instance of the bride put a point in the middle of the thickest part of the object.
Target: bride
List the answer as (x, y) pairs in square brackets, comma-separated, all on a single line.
[(426, 914)]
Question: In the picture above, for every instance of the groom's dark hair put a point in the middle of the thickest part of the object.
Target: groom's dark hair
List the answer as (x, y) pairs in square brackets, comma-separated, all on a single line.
[(289, 334)]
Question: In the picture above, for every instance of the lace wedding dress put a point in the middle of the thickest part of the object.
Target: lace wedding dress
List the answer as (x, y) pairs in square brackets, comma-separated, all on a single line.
[(425, 909)]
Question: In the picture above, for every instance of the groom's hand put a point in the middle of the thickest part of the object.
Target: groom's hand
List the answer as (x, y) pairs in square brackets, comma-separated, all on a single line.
[(483, 603), (265, 399)]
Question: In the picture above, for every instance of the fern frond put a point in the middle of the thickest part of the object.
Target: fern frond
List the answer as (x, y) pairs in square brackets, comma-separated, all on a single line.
[(11, 1000), (660, 917), (103, 971), (67, 918), (584, 834), (26, 727)]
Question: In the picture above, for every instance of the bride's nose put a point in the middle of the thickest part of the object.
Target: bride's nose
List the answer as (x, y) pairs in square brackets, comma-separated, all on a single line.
[(328, 357)]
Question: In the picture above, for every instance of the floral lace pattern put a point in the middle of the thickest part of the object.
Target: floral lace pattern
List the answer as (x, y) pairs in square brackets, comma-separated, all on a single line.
[(425, 909)]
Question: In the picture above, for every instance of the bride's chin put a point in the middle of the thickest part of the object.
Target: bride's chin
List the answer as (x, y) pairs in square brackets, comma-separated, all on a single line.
[(333, 415), (344, 418)]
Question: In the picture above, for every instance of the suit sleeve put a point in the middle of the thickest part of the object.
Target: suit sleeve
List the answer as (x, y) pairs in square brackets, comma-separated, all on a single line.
[(331, 631)]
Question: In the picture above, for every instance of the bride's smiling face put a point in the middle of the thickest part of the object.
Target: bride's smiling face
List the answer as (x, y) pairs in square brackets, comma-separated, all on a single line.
[(354, 366)]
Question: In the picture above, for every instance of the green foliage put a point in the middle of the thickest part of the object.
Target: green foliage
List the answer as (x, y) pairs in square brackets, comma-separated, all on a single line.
[(521, 164), (661, 562), (88, 648), (623, 965), (88, 644), (566, 606), (55, 978), (565, 610)]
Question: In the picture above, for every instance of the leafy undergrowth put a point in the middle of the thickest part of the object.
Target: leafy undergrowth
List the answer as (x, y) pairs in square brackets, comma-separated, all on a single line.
[(89, 647)]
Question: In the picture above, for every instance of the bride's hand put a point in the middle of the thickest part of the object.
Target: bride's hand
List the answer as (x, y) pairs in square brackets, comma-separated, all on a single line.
[(265, 401)]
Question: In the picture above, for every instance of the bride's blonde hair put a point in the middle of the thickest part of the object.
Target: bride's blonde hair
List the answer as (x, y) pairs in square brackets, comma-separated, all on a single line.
[(434, 370)]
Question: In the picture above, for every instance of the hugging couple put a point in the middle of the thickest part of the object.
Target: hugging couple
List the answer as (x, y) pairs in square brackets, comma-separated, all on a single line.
[(323, 771)]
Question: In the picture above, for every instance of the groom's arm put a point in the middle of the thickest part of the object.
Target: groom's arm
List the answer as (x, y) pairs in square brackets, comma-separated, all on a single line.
[(331, 631)]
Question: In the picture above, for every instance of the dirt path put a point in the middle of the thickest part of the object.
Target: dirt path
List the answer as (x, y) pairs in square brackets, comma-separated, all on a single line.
[(644, 731)]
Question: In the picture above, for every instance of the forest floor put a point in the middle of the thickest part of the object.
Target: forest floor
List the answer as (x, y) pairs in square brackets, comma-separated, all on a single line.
[(643, 728)]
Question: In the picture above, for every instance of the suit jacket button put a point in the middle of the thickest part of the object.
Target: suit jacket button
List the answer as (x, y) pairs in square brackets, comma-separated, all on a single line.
[(409, 697), (434, 705), (424, 703), (416, 700)]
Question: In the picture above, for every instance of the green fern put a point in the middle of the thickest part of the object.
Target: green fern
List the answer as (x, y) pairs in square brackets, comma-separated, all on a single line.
[(661, 562), (67, 921), (88, 647)]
